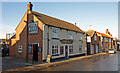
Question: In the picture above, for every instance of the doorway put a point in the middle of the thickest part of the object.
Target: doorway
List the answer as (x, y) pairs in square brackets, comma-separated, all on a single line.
[(35, 52), (66, 52)]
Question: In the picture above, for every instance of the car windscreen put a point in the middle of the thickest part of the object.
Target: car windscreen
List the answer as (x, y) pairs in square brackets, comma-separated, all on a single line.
[(111, 49)]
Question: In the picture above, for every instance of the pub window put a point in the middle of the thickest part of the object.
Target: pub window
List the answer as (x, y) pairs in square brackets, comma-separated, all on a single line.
[(80, 48), (30, 49), (70, 49), (71, 35), (20, 49), (61, 50), (54, 33), (54, 50)]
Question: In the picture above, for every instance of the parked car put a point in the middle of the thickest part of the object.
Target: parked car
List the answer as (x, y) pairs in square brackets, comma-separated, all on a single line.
[(112, 51)]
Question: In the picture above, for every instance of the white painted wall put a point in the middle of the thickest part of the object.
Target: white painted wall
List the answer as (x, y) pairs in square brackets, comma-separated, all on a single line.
[(62, 34)]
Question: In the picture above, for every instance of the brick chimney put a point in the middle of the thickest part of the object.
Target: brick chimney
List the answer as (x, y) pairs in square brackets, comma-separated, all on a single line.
[(29, 6), (29, 13), (107, 32)]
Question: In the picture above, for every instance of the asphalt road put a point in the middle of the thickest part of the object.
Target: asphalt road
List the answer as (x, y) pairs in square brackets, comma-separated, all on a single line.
[(10, 63), (108, 62)]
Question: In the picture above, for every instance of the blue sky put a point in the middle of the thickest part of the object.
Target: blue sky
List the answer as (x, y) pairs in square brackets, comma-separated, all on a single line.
[(101, 15)]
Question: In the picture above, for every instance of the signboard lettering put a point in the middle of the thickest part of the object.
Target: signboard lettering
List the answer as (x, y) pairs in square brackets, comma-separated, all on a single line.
[(33, 27)]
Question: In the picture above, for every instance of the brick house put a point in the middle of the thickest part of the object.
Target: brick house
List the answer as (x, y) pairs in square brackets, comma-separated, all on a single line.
[(106, 42), (98, 42), (46, 36), (92, 42)]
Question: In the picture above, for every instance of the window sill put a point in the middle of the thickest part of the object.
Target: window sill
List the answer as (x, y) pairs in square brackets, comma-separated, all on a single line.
[(71, 53), (55, 54), (56, 38)]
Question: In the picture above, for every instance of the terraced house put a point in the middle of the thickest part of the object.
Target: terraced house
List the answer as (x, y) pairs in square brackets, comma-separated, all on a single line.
[(98, 42), (93, 46), (46, 36)]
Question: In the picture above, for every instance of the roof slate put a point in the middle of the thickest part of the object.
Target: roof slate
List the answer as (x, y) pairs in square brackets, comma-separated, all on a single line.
[(56, 22)]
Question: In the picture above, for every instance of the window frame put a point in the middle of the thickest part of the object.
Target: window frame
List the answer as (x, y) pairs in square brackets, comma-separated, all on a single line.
[(54, 33), (80, 47), (71, 52), (62, 50), (81, 37), (29, 48), (20, 49), (95, 37), (71, 35), (55, 50)]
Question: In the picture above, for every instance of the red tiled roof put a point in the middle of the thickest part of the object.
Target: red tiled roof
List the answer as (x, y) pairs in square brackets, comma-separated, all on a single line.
[(91, 32), (102, 34)]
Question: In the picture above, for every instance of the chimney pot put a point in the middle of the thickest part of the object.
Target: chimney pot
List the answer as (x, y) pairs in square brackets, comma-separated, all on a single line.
[(29, 6)]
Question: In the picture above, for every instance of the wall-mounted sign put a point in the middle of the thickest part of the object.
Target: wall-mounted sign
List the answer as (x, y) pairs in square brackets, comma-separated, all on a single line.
[(33, 27), (66, 41)]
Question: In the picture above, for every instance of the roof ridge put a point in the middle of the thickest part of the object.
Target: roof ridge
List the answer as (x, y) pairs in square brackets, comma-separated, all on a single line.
[(54, 18)]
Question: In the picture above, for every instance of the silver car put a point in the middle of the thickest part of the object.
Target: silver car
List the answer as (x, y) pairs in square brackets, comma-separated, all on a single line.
[(112, 51)]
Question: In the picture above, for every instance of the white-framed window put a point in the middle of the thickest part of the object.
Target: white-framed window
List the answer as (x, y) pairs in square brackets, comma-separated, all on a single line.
[(101, 38), (19, 49), (95, 37), (54, 33), (71, 35), (80, 48), (54, 49), (81, 36), (61, 50), (30, 49), (70, 49), (106, 39), (109, 39)]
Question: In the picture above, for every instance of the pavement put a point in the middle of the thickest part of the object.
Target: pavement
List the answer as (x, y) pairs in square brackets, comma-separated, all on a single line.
[(46, 66)]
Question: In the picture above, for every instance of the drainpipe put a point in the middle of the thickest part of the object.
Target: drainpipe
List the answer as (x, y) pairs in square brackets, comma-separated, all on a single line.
[(48, 41), (27, 39), (86, 43)]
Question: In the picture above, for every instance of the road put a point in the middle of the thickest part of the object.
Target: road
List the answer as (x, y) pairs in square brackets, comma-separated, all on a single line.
[(108, 62), (10, 63)]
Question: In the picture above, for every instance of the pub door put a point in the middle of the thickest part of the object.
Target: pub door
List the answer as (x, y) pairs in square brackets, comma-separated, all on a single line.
[(66, 52), (35, 52)]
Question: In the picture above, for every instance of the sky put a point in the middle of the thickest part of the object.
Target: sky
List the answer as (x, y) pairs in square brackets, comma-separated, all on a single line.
[(101, 15)]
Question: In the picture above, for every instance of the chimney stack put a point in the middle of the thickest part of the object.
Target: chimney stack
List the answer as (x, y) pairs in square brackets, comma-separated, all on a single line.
[(29, 6), (75, 23)]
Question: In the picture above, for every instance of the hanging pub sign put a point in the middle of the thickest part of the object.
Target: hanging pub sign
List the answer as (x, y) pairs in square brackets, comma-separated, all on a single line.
[(66, 41), (33, 27)]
